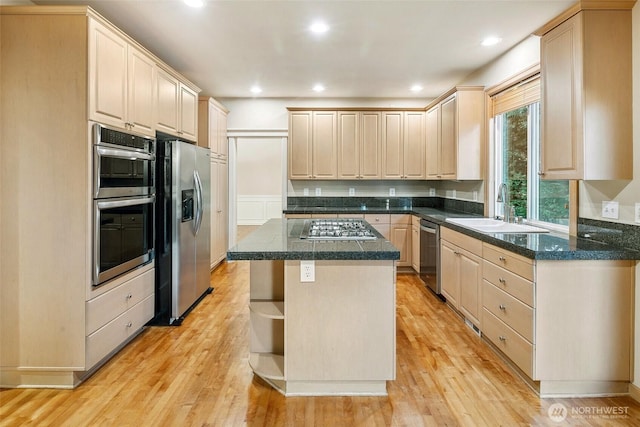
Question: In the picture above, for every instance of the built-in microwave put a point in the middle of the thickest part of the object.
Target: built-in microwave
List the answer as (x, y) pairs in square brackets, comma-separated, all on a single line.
[(123, 163)]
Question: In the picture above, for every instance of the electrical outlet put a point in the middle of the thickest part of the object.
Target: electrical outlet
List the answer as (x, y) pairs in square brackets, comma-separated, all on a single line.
[(352, 191), (392, 191), (637, 215), (318, 191), (432, 191), (305, 191), (307, 271), (610, 209)]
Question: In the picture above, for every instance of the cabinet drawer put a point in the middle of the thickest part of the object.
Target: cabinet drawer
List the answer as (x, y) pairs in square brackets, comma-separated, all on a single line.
[(374, 219), (515, 347), (400, 219), (511, 311), (509, 282), (513, 262), (110, 336), (351, 215), (462, 240), (111, 304)]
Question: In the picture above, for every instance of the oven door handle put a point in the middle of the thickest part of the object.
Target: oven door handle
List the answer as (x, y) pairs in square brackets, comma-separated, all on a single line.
[(109, 204), (124, 154)]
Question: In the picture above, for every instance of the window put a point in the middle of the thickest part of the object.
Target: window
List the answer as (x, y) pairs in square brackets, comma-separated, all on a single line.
[(516, 137)]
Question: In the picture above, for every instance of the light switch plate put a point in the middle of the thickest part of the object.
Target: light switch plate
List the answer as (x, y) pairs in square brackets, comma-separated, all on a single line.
[(392, 191), (475, 195), (454, 193), (610, 209), (637, 213), (318, 191), (432, 191), (352, 191)]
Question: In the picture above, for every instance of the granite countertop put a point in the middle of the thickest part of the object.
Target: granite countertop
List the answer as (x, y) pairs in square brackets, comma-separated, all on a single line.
[(280, 239), (541, 246)]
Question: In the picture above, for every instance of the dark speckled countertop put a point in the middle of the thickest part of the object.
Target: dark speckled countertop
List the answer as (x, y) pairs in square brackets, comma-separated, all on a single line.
[(542, 246), (280, 239)]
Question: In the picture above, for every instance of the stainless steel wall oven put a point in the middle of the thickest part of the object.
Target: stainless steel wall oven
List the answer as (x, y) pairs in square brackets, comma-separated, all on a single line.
[(123, 202)]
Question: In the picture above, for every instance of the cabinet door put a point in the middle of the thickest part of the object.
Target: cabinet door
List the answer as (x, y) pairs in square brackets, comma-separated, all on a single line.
[(370, 145), (448, 136), (223, 144), (432, 142), (107, 75), (415, 248), (324, 157), (214, 211), (470, 286), (401, 239), (188, 113), (392, 145), (142, 86), (223, 209), (449, 273), (414, 145), (348, 145), (561, 65), (168, 93), (300, 145)]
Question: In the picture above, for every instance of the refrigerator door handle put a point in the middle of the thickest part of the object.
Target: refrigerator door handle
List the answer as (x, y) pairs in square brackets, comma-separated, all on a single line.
[(199, 207)]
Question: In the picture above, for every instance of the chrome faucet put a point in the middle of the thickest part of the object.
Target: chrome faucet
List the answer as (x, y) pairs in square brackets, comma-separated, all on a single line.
[(503, 197)]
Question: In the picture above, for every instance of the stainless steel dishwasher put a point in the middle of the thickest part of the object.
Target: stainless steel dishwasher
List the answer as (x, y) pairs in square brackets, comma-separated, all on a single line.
[(430, 256)]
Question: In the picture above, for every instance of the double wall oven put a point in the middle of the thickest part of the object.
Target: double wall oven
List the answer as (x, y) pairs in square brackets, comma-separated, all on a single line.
[(123, 202)]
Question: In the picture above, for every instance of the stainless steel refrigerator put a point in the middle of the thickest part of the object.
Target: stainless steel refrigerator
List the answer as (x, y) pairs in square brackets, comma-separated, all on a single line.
[(183, 222)]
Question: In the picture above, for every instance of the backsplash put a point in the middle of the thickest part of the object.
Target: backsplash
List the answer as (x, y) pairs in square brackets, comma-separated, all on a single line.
[(394, 202), (613, 233)]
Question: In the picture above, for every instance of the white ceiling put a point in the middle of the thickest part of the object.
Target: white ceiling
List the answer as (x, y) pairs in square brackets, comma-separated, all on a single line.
[(374, 49)]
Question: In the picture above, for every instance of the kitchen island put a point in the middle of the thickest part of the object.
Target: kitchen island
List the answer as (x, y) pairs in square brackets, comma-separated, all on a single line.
[(322, 312)]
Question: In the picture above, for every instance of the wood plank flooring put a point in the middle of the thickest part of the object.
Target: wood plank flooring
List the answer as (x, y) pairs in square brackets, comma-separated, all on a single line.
[(198, 375)]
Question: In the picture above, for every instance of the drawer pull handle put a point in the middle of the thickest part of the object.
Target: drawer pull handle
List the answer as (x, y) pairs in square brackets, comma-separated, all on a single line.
[(456, 253), (501, 258), (502, 338), (502, 307), (129, 325), (501, 280)]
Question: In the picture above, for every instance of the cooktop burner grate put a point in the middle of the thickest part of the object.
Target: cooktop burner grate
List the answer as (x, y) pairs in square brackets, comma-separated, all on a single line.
[(337, 229)]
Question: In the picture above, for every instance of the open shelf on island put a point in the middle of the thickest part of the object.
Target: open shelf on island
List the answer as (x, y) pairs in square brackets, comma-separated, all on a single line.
[(267, 365), (268, 309)]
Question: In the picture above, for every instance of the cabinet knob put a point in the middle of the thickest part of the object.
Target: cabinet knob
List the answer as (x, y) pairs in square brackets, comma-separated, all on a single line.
[(129, 296), (501, 258), (502, 338), (502, 307), (541, 173), (501, 280), (129, 325), (456, 253)]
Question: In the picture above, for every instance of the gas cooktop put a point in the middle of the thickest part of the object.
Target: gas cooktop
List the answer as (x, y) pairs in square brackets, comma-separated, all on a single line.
[(337, 229)]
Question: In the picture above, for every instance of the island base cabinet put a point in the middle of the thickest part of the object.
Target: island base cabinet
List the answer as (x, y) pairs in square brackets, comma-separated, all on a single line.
[(332, 336)]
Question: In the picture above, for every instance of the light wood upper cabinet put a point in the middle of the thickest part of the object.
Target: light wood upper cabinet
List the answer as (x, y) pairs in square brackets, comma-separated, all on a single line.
[(312, 145), (212, 127), (455, 135), (121, 81), (359, 145), (177, 107), (403, 144), (586, 97)]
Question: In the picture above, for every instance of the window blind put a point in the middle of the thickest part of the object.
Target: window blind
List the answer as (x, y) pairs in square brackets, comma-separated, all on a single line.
[(516, 96)]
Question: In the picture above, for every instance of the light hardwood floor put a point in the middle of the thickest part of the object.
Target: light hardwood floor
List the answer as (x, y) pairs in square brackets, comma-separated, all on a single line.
[(197, 374)]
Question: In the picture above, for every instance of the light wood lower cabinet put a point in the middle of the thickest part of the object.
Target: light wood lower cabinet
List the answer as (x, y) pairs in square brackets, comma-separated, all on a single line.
[(461, 273), (333, 336), (565, 324), (397, 229), (415, 243)]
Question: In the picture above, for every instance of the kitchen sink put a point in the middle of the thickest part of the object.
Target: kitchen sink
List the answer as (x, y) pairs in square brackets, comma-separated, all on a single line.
[(489, 225)]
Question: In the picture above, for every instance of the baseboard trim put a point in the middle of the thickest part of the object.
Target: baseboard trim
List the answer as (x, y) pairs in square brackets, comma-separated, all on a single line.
[(634, 392)]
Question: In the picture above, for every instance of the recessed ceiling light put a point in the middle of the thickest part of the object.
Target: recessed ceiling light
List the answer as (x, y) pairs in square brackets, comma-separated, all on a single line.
[(416, 88), (256, 89), (490, 41), (318, 88), (194, 3), (319, 27)]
